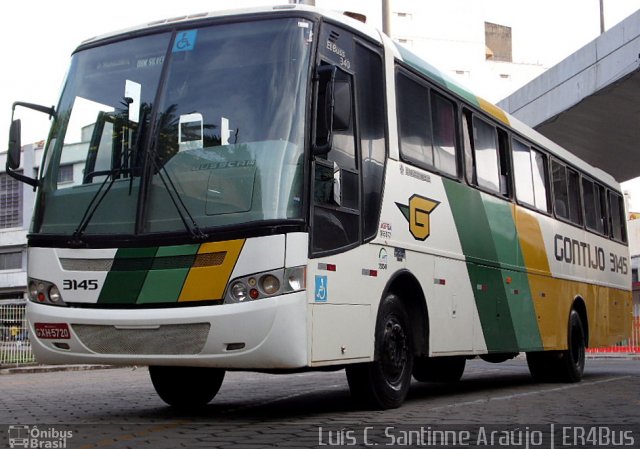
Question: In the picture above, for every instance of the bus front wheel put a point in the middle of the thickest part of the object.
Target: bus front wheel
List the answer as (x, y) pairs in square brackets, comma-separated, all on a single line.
[(384, 383), (186, 386)]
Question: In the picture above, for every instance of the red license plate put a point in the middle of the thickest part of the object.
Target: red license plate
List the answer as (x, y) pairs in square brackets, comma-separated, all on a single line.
[(52, 331)]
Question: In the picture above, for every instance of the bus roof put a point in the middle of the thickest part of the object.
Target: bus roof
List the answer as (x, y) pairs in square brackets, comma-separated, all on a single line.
[(402, 54), (333, 15)]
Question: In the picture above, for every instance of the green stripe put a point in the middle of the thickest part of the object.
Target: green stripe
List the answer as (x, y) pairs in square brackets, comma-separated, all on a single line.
[(490, 244), (165, 285), (436, 75), (123, 287)]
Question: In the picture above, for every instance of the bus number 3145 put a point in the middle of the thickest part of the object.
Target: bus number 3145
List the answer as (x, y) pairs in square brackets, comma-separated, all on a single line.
[(73, 284)]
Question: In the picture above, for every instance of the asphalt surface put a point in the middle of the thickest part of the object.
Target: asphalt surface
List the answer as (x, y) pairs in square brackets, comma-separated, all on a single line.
[(118, 408)]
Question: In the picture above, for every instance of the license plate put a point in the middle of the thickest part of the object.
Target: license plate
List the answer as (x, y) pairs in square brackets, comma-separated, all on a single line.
[(52, 331)]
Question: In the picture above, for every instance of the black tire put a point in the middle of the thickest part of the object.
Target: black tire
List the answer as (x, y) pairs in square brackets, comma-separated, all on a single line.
[(186, 386), (438, 369), (571, 362), (562, 366), (384, 383)]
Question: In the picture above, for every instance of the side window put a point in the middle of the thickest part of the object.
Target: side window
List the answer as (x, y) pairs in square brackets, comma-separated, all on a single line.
[(370, 91), (560, 196), (575, 205), (595, 206), (616, 208), (540, 180), (343, 150), (590, 214), (485, 152), (444, 134), (566, 193), (523, 173), (427, 125), (414, 126), (602, 217)]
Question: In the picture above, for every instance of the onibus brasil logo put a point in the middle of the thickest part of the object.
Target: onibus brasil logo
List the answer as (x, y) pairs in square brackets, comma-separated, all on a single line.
[(32, 437), (417, 214)]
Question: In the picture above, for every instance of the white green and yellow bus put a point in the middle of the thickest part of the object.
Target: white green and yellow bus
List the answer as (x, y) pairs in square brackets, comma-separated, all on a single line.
[(286, 189)]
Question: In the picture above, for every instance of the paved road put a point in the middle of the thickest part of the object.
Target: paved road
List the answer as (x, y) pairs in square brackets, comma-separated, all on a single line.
[(118, 408)]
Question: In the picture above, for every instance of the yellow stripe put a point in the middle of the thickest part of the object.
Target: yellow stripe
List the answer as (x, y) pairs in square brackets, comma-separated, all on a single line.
[(208, 282), (609, 310), (493, 110)]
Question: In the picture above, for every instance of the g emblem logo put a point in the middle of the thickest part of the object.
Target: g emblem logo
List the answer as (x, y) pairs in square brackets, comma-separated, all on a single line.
[(417, 214)]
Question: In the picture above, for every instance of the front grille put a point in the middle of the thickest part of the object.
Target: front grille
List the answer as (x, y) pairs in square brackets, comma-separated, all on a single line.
[(86, 264), (170, 339)]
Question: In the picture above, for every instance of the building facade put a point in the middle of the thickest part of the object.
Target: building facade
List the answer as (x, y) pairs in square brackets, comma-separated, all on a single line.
[(16, 209)]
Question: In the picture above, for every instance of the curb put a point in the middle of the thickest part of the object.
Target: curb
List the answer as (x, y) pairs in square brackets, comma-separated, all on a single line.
[(55, 368)]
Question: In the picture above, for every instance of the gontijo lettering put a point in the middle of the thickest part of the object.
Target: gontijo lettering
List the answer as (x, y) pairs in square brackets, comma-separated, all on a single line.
[(577, 252)]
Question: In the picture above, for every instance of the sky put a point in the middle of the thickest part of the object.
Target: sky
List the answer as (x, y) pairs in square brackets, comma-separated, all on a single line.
[(40, 36)]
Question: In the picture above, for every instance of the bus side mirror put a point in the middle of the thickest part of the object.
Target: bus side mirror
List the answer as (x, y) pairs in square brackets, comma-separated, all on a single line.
[(13, 153)]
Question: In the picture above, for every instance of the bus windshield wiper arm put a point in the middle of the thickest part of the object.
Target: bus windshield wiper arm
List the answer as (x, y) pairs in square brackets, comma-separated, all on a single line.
[(187, 219), (96, 200)]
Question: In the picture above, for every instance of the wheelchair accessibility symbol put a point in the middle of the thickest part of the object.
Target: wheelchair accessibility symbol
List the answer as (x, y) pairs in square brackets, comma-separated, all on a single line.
[(185, 41), (321, 289)]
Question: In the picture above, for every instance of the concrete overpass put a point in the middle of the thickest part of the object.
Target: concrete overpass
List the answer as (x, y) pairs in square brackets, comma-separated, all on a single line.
[(590, 102)]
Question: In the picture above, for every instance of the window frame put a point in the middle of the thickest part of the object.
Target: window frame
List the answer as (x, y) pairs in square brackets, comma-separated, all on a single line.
[(503, 160), (607, 218), (402, 69)]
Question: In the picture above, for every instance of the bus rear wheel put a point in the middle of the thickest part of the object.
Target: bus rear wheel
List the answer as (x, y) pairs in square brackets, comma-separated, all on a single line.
[(384, 383), (186, 386), (439, 369), (562, 366)]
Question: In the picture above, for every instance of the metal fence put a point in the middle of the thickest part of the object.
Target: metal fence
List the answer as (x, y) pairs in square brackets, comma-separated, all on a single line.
[(15, 348)]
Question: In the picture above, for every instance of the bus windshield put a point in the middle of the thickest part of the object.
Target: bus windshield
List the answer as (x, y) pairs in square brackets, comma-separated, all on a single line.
[(201, 127)]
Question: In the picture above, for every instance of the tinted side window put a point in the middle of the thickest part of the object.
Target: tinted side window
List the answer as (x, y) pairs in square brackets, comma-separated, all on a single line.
[(371, 113), (595, 208), (560, 196), (616, 208), (444, 134), (414, 125), (343, 150), (575, 205), (590, 216), (602, 216)]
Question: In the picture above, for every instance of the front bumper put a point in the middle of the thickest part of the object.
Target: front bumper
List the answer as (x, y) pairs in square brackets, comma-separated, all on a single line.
[(264, 334)]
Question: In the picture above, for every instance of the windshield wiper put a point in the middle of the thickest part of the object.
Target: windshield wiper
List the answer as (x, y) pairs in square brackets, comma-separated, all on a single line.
[(127, 166), (187, 219), (111, 176)]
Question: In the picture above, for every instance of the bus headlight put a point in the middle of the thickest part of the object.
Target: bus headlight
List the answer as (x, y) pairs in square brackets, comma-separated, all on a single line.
[(238, 291), (54, 294), (267, 284)]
